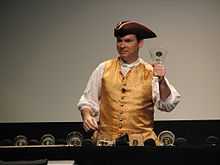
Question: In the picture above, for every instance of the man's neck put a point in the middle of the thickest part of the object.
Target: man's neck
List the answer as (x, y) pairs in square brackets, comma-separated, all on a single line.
[(129, 61)]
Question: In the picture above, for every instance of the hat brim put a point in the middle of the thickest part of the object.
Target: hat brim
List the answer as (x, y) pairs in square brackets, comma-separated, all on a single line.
[(141, 31)]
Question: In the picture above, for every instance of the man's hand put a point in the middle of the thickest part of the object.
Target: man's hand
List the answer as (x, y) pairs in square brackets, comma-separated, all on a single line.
[(89, 121), (159, 70)]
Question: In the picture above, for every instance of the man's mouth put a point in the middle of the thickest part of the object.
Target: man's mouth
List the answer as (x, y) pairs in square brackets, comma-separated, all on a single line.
[(123, 52)]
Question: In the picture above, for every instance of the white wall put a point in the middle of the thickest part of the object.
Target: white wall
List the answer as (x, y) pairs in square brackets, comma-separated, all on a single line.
[(50, 47)]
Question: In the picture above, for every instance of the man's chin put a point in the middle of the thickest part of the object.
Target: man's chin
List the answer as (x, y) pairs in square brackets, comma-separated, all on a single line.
[(123, 55), (123, 58)]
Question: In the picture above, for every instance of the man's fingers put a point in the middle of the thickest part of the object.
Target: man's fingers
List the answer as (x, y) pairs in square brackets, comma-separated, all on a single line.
[(159, 70), (94, 122), (90, 124)]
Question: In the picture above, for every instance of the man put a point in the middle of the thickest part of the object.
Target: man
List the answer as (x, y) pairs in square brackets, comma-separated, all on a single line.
[(124, 91)]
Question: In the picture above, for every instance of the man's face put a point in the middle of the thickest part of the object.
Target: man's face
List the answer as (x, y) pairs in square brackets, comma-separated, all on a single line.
[(128, 47)]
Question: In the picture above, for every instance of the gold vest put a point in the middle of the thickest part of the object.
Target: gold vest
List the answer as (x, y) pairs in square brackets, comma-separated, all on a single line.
[(126, 103)]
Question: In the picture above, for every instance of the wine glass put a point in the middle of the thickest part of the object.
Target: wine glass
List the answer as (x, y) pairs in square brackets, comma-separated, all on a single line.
[(158, 55)]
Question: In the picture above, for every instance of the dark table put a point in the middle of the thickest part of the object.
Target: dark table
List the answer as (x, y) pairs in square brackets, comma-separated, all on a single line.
[(122, 155)]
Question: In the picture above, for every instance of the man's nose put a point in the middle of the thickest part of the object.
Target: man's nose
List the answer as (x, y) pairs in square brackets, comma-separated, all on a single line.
[(122, 45)]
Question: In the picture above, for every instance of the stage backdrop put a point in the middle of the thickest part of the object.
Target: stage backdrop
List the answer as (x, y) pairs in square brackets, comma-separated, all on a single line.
[(49, 48)]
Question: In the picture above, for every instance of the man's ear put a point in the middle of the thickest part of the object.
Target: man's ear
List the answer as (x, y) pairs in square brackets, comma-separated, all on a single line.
[(141, 43)]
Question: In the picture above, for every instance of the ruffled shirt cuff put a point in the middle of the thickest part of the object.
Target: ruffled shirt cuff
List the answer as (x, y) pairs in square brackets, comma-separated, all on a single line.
[(171, 102)]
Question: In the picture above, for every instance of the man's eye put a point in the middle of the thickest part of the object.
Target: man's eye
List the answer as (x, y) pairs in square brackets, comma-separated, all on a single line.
[(128, 40), (119, 40)]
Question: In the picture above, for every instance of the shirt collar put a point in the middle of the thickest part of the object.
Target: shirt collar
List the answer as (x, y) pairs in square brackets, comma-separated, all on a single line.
[(135, 63)]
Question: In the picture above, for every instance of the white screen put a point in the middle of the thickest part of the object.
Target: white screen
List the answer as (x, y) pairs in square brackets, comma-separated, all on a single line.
[(50, 48)]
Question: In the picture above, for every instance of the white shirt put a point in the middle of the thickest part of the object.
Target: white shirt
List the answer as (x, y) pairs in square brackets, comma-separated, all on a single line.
[(92, 92)]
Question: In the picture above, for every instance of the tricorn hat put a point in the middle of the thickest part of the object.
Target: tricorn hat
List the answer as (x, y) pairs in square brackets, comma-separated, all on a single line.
[(132, 27)]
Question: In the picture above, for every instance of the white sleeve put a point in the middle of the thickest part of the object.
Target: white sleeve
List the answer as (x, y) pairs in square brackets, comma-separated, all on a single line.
[(91, 94), (171, 102)]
